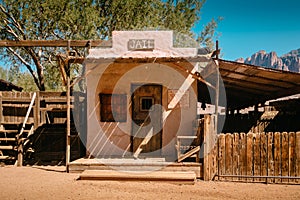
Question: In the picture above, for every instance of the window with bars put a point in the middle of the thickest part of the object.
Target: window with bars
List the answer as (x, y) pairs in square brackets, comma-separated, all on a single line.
[(113, 107)]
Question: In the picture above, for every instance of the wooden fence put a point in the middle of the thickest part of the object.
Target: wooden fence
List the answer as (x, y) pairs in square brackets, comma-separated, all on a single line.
[(257, 157), (47, 120)]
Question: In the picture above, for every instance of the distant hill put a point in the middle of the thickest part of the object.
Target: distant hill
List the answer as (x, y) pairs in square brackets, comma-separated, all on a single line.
[(287, 62)]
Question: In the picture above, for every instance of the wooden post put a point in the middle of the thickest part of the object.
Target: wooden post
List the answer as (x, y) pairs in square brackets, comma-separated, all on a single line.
[(37, 111), (68, 148), (217, 88), (20, 151), (210, 160), (68, 135), (1, 109)]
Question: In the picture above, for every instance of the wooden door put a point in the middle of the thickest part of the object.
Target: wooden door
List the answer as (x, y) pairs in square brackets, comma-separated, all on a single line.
[(144, 97)]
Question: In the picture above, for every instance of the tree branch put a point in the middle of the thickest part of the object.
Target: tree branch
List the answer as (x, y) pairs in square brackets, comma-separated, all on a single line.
[(27, 65), (39, 68), (14, 21)]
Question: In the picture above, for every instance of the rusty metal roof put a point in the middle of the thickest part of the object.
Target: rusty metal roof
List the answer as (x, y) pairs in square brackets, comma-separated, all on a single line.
[(248, 85)]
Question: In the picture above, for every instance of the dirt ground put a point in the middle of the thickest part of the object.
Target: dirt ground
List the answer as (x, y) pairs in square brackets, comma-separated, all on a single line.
[(53, 183)]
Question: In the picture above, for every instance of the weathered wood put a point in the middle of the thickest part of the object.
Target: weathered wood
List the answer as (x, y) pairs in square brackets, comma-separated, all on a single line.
[(1, 110), (243, 157), (189, 153), (68, 133), (187, 177), (285, 156), (292, 156), (263, 155), (39, 116), (249, 155), (256, 156), (9, 147), (228, 152), (51, 43), (277, 155), (213, 161), (20, 152), (270, 157), (8, 139), (298, 156), (221, 155), (209, 142), (235, 155)]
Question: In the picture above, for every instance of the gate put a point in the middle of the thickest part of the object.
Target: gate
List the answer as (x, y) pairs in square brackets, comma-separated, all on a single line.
[(272, 157)]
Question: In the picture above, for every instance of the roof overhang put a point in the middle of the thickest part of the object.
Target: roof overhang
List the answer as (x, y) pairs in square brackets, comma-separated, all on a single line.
[(248, 85)]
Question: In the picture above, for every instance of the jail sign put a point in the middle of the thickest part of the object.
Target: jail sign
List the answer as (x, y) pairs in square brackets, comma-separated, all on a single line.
[(141, 44)]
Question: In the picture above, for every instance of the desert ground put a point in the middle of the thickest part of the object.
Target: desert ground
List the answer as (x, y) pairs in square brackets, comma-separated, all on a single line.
[(52, 182)]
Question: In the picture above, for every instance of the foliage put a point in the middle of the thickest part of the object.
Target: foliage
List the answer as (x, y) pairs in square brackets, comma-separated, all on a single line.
[(15, 76), (207, 35), (85, 19)]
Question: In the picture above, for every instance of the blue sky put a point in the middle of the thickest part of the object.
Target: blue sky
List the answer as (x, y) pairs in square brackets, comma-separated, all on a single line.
[(252, 25)]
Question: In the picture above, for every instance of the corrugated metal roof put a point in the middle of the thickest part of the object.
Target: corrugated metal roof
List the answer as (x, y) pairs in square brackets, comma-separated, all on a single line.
[(248, 85)]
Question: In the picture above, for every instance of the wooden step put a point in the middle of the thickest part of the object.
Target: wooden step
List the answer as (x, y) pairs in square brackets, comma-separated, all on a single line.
[(180, 177), (8, 147)]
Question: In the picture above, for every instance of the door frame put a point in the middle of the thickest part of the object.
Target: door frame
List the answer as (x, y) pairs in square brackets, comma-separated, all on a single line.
[(133, 86)]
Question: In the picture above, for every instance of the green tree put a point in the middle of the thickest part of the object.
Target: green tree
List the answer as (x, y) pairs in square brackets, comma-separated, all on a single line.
[(85, 19)]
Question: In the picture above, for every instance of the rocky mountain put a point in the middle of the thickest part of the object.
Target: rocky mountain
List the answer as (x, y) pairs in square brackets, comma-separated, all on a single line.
[(288, 62)]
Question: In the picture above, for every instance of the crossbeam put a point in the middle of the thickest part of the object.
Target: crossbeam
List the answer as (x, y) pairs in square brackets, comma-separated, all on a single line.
[(53, 43)]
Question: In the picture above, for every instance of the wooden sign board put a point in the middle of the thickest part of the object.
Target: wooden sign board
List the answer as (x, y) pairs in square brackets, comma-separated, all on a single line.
[(141, 44)]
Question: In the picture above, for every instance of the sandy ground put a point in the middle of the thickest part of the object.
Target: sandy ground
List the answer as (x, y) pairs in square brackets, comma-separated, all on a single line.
[(53, 183)]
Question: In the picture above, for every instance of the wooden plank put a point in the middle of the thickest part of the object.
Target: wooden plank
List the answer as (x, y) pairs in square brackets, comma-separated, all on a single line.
[(187, 137), (277, 156), (221, 155), (52, 43), (1, 110), (228, 151), (189, 153), (256, 156), (37, 112), (187, 177), (208, 144), (249, 156), (235, 153), (292, 156), (263, 155), (270, 156), (8, 147), (242, 156), (284, 155), (213, 161), (297, 147), (8, 139)]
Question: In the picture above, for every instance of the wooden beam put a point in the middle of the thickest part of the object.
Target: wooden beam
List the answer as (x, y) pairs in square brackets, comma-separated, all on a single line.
[(225, 71), (189, 154), (53, 43), (68, 135)]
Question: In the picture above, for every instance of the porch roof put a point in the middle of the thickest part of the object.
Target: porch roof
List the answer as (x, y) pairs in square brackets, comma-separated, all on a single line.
[(247, 85)]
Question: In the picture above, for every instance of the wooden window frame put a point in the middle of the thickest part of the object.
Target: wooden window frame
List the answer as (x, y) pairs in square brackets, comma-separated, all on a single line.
[(115, 113)]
